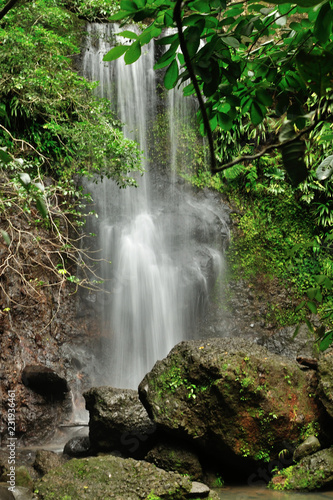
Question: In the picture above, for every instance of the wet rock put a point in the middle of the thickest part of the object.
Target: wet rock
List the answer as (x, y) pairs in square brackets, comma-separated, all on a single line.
[(256, 401), (118, 421), (78, 446), (45, 381), (112, 477), (23, 494), (308, 447), (47, 460), (311, 473), (325, 376), (178, 458)]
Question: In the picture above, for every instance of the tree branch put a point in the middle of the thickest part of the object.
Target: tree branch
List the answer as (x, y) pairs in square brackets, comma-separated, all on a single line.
[(178, 20), (261, 153), (7, 8)]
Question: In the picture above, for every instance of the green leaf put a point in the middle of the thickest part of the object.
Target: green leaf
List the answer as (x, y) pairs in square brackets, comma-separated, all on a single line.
[(326, 341), (116, 52), (128, 34), (301, 3), (201, 6), (167, 57), (311, 293), (121, 14), (5, 236), (312, 307), (4, 156), (296, 331), (171, 75), (133, 53), (256, 113), (192, 37), (293, 161), (264, 97), (225, 121), (41, 207), (128, 5), (230, 41), (323, 26)]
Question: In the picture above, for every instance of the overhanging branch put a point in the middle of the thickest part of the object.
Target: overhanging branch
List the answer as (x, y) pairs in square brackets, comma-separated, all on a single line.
[(208, 130)]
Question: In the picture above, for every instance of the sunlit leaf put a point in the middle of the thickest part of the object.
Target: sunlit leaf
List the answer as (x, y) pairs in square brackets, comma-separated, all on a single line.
[(128, 34), (116, 52), (171, 75), (133, 53)]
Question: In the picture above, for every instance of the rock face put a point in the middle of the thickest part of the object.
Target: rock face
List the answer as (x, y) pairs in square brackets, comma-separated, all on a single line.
[(325, 375), (311, 473), (232, 397), (118, 421), (111, 477)]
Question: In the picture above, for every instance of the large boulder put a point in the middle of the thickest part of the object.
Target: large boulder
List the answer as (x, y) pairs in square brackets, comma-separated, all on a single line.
[(118, 421), (232, 398), (311, 473), (114, 477)]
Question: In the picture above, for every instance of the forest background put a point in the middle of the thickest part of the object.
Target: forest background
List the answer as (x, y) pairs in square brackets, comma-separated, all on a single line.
[(264, 79)]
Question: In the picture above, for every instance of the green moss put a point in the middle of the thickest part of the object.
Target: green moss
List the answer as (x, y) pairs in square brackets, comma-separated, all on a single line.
[(302, 480)]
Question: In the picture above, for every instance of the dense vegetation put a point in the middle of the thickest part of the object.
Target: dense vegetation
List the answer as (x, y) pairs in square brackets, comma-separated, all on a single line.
[(53, 132)]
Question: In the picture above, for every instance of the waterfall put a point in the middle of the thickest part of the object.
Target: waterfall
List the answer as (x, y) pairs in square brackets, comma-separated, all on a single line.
[(159, 242)]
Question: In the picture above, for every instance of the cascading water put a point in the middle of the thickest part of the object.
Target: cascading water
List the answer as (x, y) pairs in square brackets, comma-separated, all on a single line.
[(159, 238)]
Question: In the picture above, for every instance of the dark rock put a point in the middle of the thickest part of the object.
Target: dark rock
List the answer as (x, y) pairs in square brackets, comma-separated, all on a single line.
[(231, 398), (47, 460), (78, 446), (325, 376), (311, 473), (176, 457), (118, 421), (112, 477), (308, 447), (45, 381)]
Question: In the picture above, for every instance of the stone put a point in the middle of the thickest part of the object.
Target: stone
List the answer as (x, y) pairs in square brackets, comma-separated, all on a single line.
[(118, 421), (312, 473), (256, 401), (78, 446), (5, 494), (285, 344), (308, 447), (45, 381), (47, 460), (176, 457), (112, 477), (199, 490)]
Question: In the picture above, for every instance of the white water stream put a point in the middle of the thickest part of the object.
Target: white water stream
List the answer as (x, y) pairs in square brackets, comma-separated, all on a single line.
[(160, 274)]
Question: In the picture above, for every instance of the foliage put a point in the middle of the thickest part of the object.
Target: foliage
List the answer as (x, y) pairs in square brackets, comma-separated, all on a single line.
[(258, 60), (53, 131), (49, 105)]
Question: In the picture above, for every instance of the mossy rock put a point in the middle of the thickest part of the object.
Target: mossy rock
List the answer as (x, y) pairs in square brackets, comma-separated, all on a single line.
[(111, 477), (311, 473), (230, 397)]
